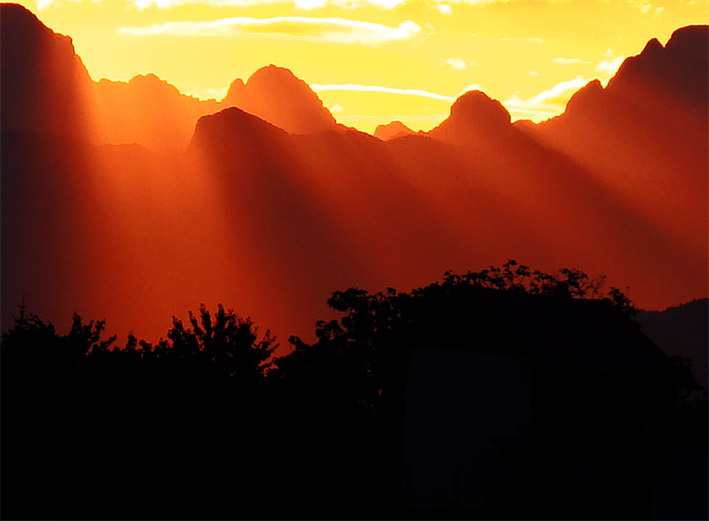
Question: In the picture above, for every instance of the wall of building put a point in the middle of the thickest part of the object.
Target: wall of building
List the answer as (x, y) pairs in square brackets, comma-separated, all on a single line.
[(456, 401)]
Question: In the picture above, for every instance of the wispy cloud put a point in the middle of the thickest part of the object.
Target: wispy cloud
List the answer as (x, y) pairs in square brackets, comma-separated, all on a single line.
[(300, 4), (457, 64), (352, 87), (445, 8), (606, 69), (207, 93), (469, 87), (547, 103), (568, 61), (320, 30), (526, 39), (560, 93)]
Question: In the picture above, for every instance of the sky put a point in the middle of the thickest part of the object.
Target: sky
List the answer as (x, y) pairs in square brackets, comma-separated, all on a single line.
[(373, 61)]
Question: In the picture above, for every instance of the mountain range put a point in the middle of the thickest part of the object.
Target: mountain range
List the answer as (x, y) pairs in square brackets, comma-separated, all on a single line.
[(134, 202)]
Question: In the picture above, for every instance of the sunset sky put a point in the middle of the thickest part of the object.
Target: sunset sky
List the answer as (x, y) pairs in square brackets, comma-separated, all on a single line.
[(373, 61)]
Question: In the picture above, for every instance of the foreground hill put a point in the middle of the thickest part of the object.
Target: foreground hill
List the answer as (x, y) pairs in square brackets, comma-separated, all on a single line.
[(682, 331)]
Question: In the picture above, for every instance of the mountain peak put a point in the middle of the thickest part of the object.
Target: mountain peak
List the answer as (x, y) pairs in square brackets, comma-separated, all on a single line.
[(473, 115), (234, 91), (392, 130), (231, 125), (677, 71), (476, 107), (44, 83), (278, 96), (653, 46), (273, 72), (154, 84), (590, 95), (688, 40)]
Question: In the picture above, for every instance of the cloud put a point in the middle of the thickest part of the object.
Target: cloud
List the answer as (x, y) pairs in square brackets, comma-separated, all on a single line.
[(547, 103), (213, 93), (469, 87), (521, 39), (347, 4), (533, 73), (300, 4), (309, 4), (445, 9), (568, 61), (443, 6), (337, 109), (561, 92), (646, 7), (457, 64), (320, 30), (351, 87), (606, 69)]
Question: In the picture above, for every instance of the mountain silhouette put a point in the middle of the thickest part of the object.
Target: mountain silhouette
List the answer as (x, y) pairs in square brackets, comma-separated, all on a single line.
[(151, 112), (276, 95), (43, 81), (675, 71), (644, 137), (474, 116), (53, 93), (146, 110), (392, 130), (682, 330), (271, 206)]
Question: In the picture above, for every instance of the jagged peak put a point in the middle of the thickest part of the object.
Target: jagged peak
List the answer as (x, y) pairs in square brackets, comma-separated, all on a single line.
[(652, 46), (231, 120), (688, 39), (18, 21), (277, 95), (474, 115), (392, 130), (235, 88), (273, 71), (477, 106), (587, 95)]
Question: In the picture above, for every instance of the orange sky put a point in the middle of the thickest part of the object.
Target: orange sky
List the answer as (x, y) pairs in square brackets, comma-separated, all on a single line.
[(372, 61)]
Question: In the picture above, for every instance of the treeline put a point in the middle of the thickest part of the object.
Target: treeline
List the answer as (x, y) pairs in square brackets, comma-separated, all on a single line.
[(207, 423)]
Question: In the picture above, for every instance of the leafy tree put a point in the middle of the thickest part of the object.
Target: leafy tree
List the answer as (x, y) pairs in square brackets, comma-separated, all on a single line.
[(31, 348), (365, 346), (20, 363), (566, 283), (224, 341)]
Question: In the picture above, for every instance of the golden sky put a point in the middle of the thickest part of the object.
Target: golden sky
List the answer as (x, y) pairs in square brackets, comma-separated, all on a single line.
[(373, 61)]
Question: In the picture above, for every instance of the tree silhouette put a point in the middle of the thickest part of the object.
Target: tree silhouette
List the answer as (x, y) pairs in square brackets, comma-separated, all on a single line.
[(206, 418), (365, 346), (225, 342), (566, 283)]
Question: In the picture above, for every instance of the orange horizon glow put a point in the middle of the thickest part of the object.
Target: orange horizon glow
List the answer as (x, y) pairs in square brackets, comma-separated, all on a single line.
[(372, 61)]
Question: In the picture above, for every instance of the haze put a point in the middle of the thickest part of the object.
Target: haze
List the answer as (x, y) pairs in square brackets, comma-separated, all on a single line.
[(134, 202)]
